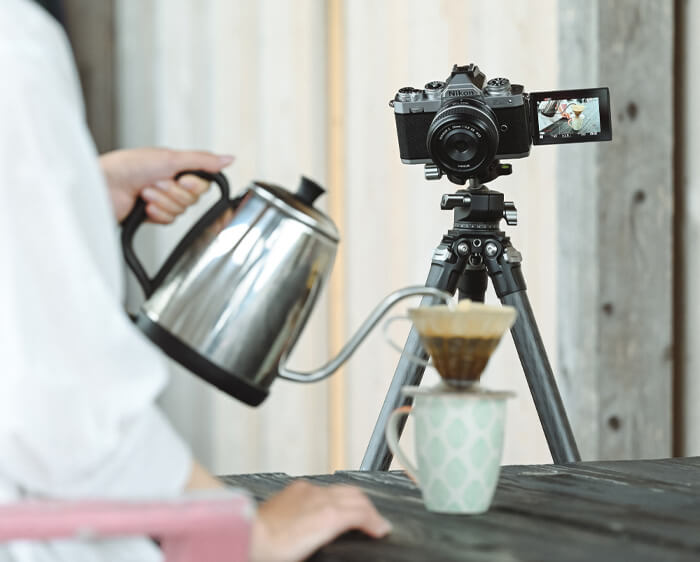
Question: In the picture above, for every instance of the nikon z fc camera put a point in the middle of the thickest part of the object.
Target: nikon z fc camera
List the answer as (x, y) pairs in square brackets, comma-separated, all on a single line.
[(461, 128)]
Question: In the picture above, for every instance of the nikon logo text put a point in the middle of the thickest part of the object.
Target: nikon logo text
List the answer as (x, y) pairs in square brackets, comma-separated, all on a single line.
[(459, 93)]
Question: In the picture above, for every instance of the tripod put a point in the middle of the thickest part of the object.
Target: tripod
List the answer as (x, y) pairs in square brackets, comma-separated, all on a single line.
[(474, 250)]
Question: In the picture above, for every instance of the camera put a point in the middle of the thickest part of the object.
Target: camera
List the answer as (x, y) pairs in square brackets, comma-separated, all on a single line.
[(461, 127)]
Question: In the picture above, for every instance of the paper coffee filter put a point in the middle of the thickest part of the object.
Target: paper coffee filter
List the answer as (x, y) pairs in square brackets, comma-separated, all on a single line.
[(466, 319), (460, 339)]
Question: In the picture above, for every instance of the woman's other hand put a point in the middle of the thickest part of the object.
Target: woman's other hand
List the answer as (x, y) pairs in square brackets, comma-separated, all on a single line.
[(149, 173), (300, 519)]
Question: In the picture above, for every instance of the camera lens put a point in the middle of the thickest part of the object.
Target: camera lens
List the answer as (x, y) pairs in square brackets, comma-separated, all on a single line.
[(463, 137), (461, 146)]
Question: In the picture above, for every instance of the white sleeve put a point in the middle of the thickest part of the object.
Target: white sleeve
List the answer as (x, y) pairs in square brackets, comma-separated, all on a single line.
[(78, 382)]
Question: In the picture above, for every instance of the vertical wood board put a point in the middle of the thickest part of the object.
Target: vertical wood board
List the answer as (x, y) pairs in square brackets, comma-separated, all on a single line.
[(688, 146), (615, 314)]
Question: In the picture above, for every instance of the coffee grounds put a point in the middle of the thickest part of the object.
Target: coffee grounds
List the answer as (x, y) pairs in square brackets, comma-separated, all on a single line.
[(460, 360)]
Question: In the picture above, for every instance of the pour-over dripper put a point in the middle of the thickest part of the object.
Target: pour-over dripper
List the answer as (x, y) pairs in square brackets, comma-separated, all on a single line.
[(461, 338)]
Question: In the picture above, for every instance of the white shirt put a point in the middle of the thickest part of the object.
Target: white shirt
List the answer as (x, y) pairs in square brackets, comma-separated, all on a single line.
[(77, 381)]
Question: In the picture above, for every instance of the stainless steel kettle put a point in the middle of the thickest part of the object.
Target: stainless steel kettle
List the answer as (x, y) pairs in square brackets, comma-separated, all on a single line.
[(233, 297)]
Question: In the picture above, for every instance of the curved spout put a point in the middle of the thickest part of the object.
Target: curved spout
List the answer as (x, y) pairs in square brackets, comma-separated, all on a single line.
[(381, 309)]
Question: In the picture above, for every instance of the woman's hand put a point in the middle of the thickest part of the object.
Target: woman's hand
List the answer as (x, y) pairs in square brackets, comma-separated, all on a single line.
[(294, 523), (300, 519), (149, 173)]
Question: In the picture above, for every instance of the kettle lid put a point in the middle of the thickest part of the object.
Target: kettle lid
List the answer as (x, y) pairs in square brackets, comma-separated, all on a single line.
[(299, 205)]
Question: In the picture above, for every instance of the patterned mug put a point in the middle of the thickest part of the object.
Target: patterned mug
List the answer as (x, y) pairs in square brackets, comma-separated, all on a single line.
[(459, 442)]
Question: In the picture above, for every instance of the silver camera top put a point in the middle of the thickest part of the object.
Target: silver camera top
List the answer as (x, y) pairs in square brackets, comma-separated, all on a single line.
[(464, 82)]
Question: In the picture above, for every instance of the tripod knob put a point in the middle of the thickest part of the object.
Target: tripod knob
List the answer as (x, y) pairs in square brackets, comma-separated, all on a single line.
[(432, 172), (454, 200), (510, 213)]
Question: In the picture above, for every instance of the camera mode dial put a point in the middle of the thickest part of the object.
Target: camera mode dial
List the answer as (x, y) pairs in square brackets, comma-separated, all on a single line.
[(409, 94), (498, 87), (434, 89)]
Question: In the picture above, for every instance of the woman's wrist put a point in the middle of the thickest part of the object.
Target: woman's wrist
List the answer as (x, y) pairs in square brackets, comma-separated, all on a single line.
[(201, 479)]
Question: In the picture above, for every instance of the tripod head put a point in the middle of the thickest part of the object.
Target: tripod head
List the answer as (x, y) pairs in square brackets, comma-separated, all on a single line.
[(479, 208), (476, 240)]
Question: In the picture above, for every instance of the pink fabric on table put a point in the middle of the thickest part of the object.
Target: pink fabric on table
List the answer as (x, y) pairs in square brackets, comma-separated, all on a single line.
[(189, 529)]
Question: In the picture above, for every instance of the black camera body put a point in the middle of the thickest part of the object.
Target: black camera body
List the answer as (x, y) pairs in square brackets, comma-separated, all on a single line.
[(462, 127)]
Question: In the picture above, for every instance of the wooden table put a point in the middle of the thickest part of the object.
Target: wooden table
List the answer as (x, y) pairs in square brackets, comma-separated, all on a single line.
[(593, 511)]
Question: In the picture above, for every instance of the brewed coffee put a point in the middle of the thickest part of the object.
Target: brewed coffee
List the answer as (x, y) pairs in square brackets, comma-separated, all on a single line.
[(460, 339)]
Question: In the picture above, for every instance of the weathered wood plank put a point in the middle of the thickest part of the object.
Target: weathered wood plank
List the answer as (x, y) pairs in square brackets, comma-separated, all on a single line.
[(678, 472), (605, 507), (261, 485), (669, 474), (636, 233), (686, 79), (615, 232), (641, 510)]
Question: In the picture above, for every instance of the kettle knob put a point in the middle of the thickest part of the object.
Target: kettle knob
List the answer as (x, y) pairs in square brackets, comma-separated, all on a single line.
[(308, 191)]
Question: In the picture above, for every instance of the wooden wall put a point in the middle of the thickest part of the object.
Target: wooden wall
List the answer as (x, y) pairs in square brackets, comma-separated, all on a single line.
[(302, 87), (254, 79)]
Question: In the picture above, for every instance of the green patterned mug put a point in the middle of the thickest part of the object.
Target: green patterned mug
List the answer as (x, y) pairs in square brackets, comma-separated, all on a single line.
[(459, 441)]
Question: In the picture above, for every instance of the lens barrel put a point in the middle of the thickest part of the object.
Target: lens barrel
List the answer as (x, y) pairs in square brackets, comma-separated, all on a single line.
[(463, 137)]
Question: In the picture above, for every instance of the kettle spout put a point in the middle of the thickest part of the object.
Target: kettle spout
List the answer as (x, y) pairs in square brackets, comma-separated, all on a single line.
[(431, 295)]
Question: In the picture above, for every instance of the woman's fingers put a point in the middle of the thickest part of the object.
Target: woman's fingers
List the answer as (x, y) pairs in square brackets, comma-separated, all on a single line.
[(169, 198), (158, 215), (193, 184), (356, 511), (297, 521), (162, 199)]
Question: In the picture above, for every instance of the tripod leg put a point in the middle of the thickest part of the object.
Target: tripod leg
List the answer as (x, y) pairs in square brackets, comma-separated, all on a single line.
[(442, 275), (506, 275), (540, 379)]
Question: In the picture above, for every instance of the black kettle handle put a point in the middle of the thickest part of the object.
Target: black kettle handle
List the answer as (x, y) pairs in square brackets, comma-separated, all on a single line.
[(138, 216)]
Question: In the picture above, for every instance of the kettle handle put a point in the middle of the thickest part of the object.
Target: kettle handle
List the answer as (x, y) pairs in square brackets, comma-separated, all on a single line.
[(138, 216)]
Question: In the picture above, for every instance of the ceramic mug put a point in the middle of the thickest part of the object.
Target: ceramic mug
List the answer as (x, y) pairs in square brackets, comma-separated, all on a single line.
[(458, 443)]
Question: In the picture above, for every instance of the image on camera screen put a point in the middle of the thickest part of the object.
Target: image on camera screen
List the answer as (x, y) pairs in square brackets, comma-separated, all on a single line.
[(565, 118)]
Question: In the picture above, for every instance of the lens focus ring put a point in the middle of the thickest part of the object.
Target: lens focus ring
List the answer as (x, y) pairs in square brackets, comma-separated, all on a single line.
[(463, 137)]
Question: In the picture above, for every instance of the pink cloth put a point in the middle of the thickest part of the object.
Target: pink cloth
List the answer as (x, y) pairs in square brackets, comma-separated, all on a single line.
[(189, 529)]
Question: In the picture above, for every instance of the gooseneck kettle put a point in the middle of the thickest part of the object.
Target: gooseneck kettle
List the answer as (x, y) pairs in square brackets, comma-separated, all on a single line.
[(233, 296)]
